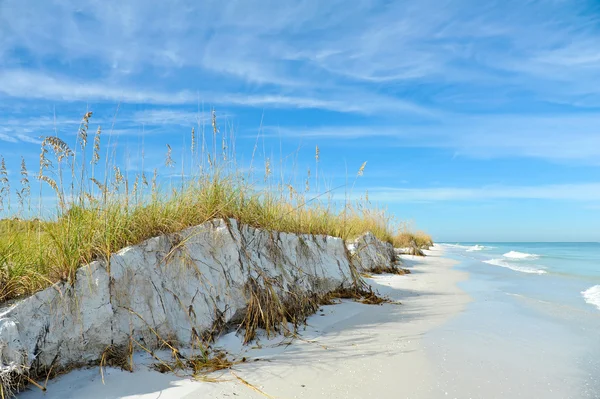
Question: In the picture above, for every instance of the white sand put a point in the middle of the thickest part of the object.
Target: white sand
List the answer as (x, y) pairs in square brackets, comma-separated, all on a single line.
[(349, 350)]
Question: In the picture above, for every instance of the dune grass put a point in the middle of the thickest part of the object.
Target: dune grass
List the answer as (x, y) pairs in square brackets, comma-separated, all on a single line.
[(416, 242), (100, 209), (406, 239)]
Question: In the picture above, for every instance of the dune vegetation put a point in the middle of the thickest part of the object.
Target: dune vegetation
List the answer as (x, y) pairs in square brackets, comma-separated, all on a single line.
[(98, 208), (415, 242)]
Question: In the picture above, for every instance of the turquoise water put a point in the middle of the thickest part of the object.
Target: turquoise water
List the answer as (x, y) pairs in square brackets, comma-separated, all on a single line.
[(567, 274), (532, 329)]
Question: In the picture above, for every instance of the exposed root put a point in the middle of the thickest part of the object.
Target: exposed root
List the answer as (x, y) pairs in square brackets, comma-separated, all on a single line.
[(205, 362), (298, 306), (391, 269), (264, 309), (218, 326), (11, 383), (267, 311), (117, 356), (362, 295), (14, 381)]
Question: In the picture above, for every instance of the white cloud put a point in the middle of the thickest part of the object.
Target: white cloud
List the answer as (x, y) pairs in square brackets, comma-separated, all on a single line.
[(585, 192), (28, 139), (556, 137), (369, 59), (168, 116), (8, 138), (308, 48), (29, 84), (28, 129)]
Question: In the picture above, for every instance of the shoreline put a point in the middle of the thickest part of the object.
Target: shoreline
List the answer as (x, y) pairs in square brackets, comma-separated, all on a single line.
[(364, 351)]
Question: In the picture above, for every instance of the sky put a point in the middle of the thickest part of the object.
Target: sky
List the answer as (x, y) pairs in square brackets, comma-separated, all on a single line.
[(478, 120)]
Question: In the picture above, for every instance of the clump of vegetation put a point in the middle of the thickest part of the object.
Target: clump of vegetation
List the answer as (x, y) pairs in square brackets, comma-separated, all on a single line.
[(102, 208), (415, 242), (364, 294), (406, 239), (268, 311), (390, 269)]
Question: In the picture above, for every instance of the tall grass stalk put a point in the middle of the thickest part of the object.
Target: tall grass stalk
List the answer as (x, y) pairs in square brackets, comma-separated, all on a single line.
[(105, 212)]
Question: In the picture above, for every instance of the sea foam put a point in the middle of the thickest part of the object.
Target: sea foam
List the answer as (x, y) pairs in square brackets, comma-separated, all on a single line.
[(592, 296), (520, 255), (476, 248), (517, 268), (468, 248)]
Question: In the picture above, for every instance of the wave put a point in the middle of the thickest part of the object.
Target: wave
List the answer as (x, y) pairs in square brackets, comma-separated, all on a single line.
[(520, 255), (476, 248), (592, 296), (456, 246), (517, 268), (469, 248)]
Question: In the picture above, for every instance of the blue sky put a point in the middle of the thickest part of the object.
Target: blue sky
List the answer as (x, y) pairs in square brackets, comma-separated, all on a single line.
[(480, 120)]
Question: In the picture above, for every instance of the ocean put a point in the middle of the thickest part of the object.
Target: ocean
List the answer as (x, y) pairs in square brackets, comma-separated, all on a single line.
[(532, 329), (567, 274)]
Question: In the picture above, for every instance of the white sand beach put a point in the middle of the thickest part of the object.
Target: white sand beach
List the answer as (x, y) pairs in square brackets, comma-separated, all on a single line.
[(348, 350)]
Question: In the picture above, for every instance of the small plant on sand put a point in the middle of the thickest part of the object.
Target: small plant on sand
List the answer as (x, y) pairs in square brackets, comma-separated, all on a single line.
[(415, 242)]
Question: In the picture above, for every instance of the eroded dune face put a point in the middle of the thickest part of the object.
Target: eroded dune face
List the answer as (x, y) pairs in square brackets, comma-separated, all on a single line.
[(175, 288)]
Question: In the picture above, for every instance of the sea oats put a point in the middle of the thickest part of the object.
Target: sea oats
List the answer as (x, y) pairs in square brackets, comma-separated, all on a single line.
[(5, 188), (361, 171), (96, 155), (193, 146), (169, 159), (154, 183), (25, 191), (83, 130), (60, 148), (101, 186), (267, 169)]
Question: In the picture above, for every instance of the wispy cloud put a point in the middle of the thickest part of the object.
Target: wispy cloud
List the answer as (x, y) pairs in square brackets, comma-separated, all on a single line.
[(303, 51), (8, 138), (554, 137), (28, 129), (585, 192), (35, 85), (167, 116), (304, 54)]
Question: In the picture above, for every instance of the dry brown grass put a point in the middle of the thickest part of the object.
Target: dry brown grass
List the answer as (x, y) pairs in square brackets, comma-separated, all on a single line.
[(363, 294), (390, 269), (416, 242)]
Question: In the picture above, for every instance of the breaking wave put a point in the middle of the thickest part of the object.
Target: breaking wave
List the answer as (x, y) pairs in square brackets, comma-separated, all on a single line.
[(476, 248), (592, 296), (520, 255), (515, 267), (469, 248)]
